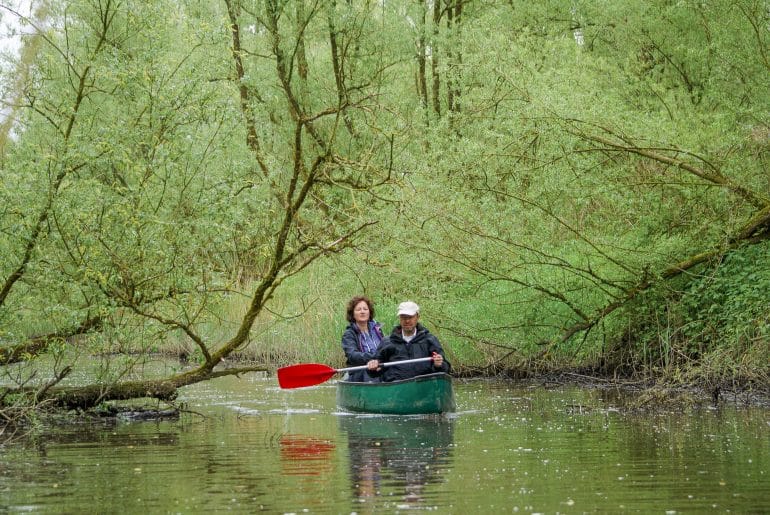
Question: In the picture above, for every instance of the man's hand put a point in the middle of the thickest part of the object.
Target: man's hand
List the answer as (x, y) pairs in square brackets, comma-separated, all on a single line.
[(373, 365), (438, 360)]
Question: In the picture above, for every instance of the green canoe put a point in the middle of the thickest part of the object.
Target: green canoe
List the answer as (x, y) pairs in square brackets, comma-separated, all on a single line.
[(430, 393)]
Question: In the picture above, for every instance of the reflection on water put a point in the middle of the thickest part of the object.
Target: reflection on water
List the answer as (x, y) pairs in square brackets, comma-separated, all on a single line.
[(303, 455), (404, 454), (246, 446)]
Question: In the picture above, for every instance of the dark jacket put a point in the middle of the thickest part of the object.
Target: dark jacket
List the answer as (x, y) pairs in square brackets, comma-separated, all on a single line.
[(355, 353), (395, 348)]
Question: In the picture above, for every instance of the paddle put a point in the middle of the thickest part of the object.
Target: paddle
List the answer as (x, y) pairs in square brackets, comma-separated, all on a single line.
[(309, 374)]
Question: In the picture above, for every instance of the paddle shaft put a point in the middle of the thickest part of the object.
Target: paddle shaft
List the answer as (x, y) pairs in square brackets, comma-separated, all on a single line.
[(389, 363), (309, 374)]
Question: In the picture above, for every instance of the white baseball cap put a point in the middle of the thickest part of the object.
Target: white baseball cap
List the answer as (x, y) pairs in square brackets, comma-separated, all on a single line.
[(408, 308)]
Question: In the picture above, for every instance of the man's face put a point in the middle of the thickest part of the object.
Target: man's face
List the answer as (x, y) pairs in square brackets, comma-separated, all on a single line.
[(408, 322)]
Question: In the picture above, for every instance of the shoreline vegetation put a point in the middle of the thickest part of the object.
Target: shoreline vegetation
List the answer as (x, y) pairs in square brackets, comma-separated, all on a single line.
[(731, 371)]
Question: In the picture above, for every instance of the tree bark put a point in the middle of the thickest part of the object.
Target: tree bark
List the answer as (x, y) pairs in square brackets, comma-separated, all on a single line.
[(422, 83), (339, 79), (90, 396), (434, 60), (454, 55)]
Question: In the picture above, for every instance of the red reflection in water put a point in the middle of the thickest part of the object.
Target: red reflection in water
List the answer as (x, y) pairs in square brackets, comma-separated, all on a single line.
[(306, 455)]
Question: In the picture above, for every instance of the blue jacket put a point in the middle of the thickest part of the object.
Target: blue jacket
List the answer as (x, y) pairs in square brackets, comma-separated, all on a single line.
[(395, 348), (353, 346)]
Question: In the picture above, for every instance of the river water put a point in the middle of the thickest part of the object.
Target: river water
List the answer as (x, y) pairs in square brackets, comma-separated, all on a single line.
[(246, 446)]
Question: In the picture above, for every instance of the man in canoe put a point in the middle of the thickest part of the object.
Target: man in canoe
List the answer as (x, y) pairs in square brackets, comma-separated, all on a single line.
[(409, 340)]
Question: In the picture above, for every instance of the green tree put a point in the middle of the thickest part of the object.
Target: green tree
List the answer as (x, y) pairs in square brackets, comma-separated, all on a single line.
[(604, 158), (184, 163)]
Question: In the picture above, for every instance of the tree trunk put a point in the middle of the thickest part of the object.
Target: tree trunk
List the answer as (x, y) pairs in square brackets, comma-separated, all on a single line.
[(422, 83), (90, 396), (454, 55), (339, 79), (434, 60)]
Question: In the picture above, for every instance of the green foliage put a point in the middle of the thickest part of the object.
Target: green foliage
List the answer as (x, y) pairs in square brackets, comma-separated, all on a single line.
[(712, 325), (561, 180), (729, 304)]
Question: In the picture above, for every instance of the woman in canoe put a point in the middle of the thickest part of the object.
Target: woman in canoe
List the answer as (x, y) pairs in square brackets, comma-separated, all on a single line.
[(361, 338), (409, 340)]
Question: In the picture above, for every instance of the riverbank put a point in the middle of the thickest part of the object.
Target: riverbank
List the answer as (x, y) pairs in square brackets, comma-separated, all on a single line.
[(643, 393), (649, 390)]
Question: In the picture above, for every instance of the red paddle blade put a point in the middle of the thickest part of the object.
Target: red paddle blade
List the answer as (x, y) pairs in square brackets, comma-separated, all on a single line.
[(304, 374)]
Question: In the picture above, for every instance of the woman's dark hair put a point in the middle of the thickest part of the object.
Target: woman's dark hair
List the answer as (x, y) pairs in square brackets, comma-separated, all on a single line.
[(354, 302)]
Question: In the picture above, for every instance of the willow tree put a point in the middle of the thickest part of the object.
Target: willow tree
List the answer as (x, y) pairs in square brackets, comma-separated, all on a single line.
[(173, 156), (606, 154)]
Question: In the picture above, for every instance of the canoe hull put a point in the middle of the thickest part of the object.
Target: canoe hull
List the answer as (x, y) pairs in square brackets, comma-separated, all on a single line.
[(426, 394)]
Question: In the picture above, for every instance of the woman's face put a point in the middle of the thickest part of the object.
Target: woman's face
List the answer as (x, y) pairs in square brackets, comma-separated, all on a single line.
[(361, 312)]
